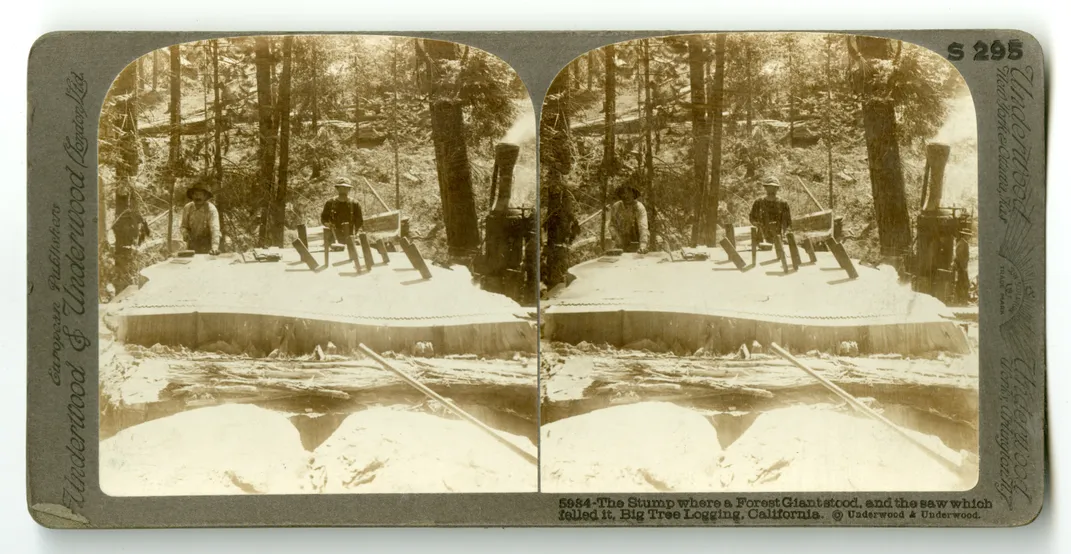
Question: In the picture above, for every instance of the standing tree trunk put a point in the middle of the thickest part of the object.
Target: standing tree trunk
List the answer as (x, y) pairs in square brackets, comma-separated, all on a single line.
[(174, 154), (155, 64), (561, 223), (205, 84), (315, 69), (791, 97), (394, 126), (750, 91), (451, 155), (716, 101), (828, 117), (591, 69), (217, 123), (278, 219), (609, 148), (700, 131), (356, 103), (648, 154), (127, 210), (883, 150), (266, 129)]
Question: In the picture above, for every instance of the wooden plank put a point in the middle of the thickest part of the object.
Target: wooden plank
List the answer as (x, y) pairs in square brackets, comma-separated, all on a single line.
[(793, 251), (727, 245), (842, 257), (866, 410), (306, 256), (351, 249), (366, 251), (780, 248), (808, 247), (382, 248), (303, 234), (754, 246), (415, 258), (531, 457)]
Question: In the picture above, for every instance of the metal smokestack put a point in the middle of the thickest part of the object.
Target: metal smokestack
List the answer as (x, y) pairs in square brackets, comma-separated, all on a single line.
[(934, 177), (502, 178)]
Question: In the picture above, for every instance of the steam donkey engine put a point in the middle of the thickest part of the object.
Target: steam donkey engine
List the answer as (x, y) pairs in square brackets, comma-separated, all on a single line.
[(507, 264), (943, 234)]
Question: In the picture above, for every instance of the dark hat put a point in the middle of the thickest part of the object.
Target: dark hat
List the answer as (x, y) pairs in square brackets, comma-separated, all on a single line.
[(189, 191), (629, 188), (771, 181)]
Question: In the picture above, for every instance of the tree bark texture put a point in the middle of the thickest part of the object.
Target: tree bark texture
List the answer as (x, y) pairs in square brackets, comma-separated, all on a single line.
[(716, 108), (266, 127), (278, 220), (700, 131), (883, 150)]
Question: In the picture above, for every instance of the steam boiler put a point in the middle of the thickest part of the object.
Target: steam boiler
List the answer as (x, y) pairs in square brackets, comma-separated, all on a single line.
[(942, 237), (508, 263)]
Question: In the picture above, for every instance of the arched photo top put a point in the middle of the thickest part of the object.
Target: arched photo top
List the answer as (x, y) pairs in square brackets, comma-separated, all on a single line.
[(765, 202), (694, 122), (271, 200), (267, 124)]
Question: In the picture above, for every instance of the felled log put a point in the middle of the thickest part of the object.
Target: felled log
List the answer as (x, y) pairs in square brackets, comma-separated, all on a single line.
[(138, 385), (576, 383)]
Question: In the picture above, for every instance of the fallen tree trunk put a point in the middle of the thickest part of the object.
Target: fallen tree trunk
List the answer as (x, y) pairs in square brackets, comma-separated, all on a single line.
[(138, 385), (574, 384)]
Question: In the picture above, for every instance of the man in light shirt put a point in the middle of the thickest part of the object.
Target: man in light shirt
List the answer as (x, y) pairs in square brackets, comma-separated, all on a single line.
[(628, 221), (200, 222)]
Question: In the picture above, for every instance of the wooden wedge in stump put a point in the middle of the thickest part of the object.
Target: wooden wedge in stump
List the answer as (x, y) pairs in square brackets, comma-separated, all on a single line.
[(306, 256), (842, 257), (730, 250), (415, 258), (794, 252)]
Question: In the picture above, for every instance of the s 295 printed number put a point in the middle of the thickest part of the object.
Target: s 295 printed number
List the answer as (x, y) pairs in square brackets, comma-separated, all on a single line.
[(988, 51)]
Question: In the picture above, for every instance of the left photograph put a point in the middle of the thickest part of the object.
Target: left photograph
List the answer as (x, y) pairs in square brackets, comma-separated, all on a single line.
[(318, 270)]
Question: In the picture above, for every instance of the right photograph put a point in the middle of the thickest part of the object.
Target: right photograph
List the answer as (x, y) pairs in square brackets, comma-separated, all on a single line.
[(759, 268)]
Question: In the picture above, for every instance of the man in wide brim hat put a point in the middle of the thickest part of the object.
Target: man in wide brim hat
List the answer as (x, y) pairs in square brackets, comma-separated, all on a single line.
[(770, 215), (628, 220), (191, 192), (200, 221), (341, 216), (628, 192)]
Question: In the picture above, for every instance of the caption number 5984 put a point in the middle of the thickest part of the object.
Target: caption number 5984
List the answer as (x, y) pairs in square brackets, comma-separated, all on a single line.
[(988, 51)]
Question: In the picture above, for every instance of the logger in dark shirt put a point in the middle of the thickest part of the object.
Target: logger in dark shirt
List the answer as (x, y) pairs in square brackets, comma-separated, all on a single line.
[(769, 214), (341, 215)]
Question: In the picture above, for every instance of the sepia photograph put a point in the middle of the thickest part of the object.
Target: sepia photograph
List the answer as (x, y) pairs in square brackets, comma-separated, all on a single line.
[(759, 268), (318, 266)]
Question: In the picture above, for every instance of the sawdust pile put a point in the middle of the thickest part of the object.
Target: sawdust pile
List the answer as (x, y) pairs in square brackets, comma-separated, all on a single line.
[(385, 450), (817, 448), (231, 449), (654, 446), (243, 449), (645, 447)]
